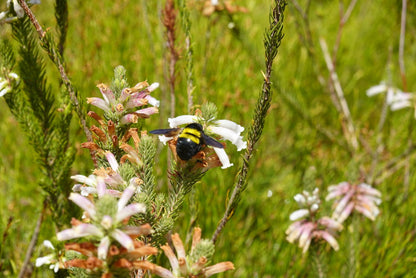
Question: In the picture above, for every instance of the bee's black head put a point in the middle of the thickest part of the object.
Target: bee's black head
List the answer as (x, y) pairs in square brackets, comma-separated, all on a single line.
[(195, 126)]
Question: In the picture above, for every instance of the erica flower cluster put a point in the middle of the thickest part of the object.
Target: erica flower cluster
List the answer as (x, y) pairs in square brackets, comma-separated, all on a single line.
[(396, 99), (361, 198), (126, 105), (307, 227), (105, 180), (193, 264), (119, 200), (354, 197), (110, 242)]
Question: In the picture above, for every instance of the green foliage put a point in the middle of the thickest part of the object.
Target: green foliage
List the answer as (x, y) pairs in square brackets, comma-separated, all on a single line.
[(34, 106), (204, 248), (303, 128), (120, 81)]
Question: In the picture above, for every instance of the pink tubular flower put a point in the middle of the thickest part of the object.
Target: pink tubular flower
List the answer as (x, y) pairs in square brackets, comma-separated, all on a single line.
[(359, 197), (123, 108), (98, 182), (109, 225), (306, 227), (192, 264), (304, 231)]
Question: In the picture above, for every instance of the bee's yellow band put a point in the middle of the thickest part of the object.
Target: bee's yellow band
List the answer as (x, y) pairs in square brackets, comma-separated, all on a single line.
[(191, 134)]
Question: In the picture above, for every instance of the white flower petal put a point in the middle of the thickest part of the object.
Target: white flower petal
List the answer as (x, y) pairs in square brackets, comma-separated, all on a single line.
[(306, 234), (295, 226), (45, 260), (153, 87), (5, 91), (103, 248), (376, 89), (18, 9), (107, 222), (314, 207), (83, 203), (297, 214), (129, 211), (164, 139), (56, 267), (81, 230), (230, 125), (87, 190), (369, 190), (330, 239), (48, 244), (223, 157), (181, 120), (343, 215), (14, 76), (3, 84), (90, 180), (112, 160), (152, 101), (300, 199), (125, 197), (101, 187), (123, 239), (100, 103), (229, 135), (400, 105), (2, 15)]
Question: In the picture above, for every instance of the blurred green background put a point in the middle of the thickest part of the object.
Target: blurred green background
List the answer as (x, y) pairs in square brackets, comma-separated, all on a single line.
[(228, 65)]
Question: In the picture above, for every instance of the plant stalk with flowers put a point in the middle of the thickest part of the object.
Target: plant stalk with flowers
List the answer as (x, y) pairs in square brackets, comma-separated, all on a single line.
[(349, 199), (124, 219), (115, 236), (309, 231)]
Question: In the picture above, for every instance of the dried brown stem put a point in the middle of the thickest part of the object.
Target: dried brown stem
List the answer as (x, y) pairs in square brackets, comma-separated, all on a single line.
[(169, 20), (349, 130), (401, 44), (33, 242)]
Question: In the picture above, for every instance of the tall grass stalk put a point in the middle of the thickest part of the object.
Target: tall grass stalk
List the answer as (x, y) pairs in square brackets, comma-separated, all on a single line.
[(169, 21), (186, 25), (349, 130), (272, 40)]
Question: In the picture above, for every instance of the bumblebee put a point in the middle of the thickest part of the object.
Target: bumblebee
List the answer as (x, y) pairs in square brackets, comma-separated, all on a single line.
[(190, 141)]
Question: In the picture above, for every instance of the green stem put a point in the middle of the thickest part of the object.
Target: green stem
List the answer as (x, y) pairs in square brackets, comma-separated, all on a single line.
[(272, 40)]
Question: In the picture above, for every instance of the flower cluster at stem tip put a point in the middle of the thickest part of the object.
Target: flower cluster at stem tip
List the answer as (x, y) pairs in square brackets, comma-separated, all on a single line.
[(123, 108), (349, 197), (396, 99), (354, 197), (307, 227), (193, 264), (114, 237)]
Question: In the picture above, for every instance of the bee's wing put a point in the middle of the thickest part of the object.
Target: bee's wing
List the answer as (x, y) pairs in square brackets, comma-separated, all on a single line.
[(212, 142), (170, 132)]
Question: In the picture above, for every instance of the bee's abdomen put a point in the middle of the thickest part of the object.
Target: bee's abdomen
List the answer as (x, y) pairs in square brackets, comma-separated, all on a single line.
[(188, 144), (191, 134)]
